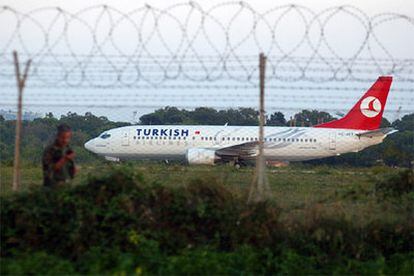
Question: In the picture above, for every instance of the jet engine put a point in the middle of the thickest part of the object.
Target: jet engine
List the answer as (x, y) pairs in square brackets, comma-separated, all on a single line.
[(199, 156)]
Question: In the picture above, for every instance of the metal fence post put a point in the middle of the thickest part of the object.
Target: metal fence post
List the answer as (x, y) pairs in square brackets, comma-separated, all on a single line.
[(21, 80), (259, 189)]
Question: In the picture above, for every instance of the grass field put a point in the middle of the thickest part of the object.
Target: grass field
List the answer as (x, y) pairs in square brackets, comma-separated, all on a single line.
[(298, 180), (293, 188)]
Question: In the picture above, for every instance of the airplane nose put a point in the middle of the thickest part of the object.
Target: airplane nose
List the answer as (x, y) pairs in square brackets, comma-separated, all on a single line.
[(88, 145)]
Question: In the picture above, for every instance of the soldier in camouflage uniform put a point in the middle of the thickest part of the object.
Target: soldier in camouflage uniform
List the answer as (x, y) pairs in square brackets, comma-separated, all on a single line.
[(58, 159)]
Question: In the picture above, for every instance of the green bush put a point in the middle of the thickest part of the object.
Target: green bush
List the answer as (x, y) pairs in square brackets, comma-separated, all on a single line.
[(119, 223), (38, 263), (396, 184)]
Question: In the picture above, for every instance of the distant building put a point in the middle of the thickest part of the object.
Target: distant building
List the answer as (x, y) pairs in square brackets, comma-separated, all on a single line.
[(11, 115)]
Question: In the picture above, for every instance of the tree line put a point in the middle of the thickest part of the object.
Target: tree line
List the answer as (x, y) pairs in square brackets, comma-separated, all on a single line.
[(396, 150), (237, 117)]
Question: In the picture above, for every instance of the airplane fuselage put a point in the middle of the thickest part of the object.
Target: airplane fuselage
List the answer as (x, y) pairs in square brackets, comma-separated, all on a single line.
[(174, 141)]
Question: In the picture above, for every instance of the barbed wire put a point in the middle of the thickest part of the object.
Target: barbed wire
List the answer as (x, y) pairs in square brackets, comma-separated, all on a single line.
[(222, 105), (149, 47), (239, 98), (210, 96), (220, 86)]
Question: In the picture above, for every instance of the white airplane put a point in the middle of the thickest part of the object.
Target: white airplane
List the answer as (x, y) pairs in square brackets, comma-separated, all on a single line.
[(201, 144)]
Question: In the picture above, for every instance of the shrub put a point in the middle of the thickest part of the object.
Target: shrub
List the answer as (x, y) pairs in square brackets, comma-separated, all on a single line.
[(38, 263), (396, 184), (119, 223)]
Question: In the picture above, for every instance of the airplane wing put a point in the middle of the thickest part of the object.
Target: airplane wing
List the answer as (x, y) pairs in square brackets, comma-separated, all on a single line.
[(377, 132), (246, 150)]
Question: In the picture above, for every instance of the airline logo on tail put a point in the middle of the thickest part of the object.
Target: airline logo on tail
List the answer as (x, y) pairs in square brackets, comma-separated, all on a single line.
[(367, 112), (370, 107)]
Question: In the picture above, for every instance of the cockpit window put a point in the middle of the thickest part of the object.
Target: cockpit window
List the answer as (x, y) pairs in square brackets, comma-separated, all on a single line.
[(105, 135)]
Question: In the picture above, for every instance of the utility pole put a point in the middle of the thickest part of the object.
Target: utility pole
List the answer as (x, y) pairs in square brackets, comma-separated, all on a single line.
[(259, 189), (21, 81)]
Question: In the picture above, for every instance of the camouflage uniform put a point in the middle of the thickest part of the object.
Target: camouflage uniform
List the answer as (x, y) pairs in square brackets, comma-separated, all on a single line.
[(51, 155)]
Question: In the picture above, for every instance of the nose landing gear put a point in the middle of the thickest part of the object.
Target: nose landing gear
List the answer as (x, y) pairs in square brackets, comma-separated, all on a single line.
[(237, 163)]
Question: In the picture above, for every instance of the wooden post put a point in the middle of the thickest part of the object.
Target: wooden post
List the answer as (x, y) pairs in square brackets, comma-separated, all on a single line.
[(21, 80), (259, 189)]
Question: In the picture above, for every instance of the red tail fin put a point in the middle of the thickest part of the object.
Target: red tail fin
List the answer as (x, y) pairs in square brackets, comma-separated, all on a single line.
[(367, 112)]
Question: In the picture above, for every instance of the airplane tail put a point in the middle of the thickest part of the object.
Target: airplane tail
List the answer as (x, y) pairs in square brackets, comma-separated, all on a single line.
[(367, 112)]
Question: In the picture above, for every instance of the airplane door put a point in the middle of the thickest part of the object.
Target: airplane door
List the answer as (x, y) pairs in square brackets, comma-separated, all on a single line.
[(218, 138), (332, 140), (125, 138)]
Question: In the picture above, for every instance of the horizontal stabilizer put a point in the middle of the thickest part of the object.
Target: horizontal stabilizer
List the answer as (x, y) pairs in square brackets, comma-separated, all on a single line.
[(378, 132)]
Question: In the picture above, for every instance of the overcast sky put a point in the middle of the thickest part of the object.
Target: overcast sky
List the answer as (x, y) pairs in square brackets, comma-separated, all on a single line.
[(369, 6)]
